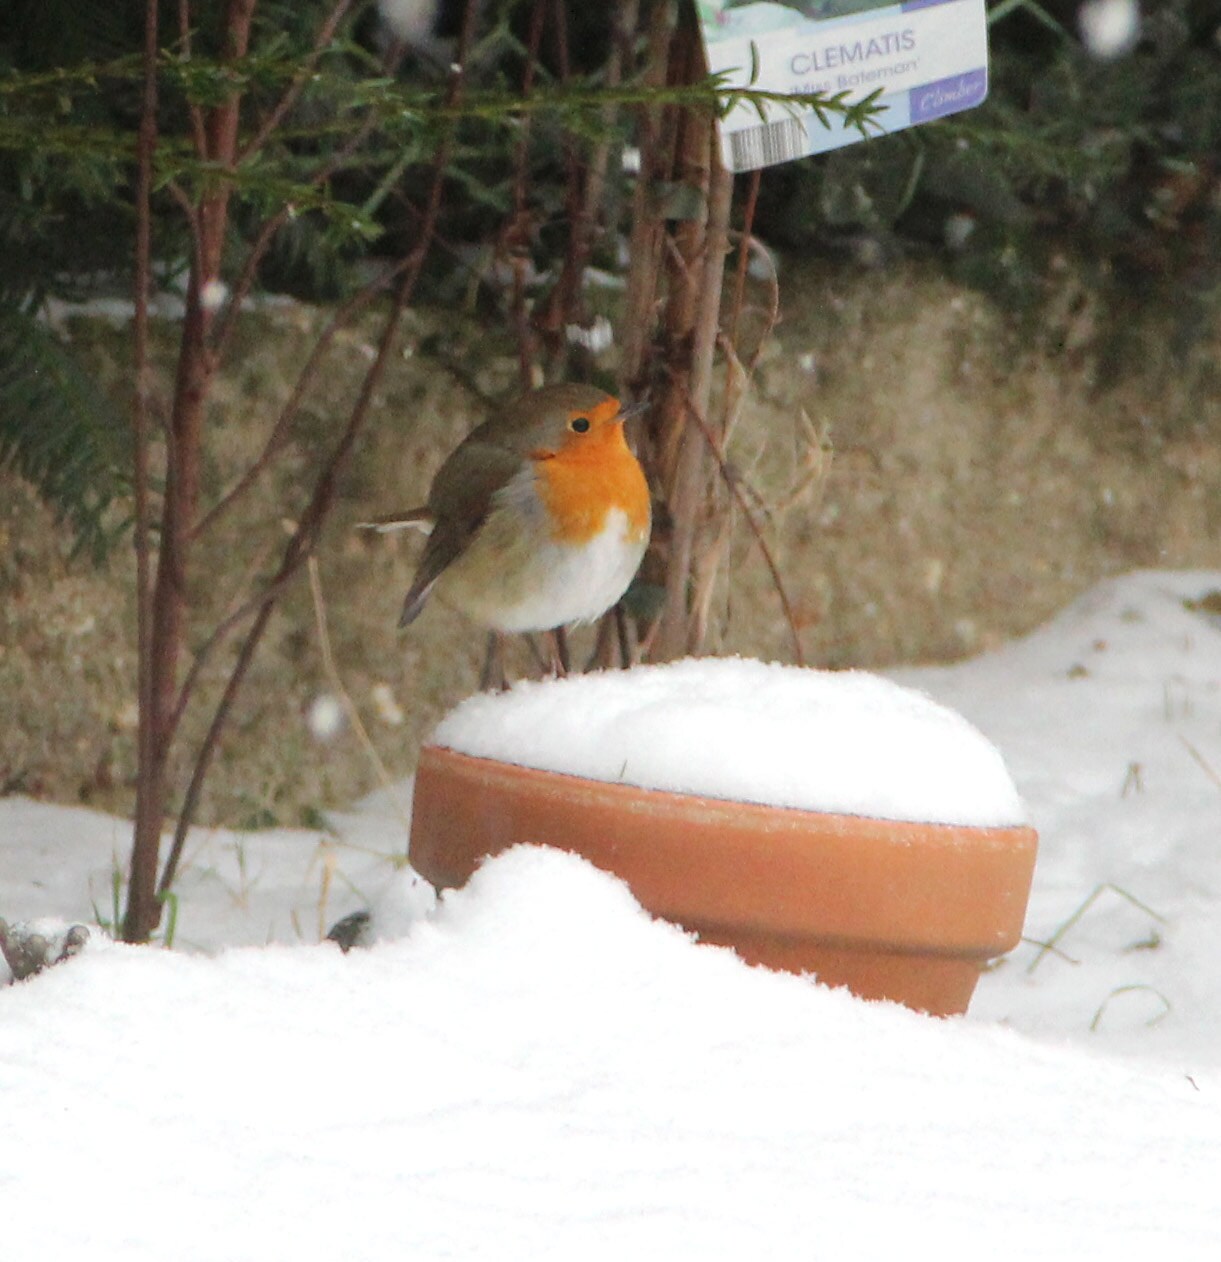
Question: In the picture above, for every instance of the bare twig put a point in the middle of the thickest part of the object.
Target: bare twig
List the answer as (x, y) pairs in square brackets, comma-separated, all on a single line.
[(326, 33), (563, 303), (220, 633), (735, 489), (704, 567), (516, 238), (707, 263), (303, 539), (194, 113), (333, 677), (149, 785), (305, 380), (295, 553), (772, 316), (266, 235), (744, 246), (189, 213), (184, 434), (816, 463), (640, 301)]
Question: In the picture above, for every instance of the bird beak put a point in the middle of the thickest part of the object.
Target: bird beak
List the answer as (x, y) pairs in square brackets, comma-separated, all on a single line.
[(633, 410)]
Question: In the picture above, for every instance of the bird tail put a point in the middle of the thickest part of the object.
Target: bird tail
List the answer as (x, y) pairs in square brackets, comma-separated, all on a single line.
[(414, 601)]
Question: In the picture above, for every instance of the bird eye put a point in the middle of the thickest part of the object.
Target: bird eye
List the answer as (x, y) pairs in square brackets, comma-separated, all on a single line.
[(579, 424)]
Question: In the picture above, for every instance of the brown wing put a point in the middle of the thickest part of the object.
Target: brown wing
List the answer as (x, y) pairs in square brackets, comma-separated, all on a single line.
[(459, 502)]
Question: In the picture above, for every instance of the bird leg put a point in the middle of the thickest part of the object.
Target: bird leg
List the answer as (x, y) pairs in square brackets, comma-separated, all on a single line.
[(553, 659), (561, 659), (493, 673)]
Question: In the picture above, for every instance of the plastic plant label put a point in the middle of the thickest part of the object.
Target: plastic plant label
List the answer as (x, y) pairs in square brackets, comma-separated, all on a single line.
[(928, 58)]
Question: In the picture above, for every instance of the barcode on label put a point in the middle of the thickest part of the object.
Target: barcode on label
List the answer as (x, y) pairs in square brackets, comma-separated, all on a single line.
[(767, 144)]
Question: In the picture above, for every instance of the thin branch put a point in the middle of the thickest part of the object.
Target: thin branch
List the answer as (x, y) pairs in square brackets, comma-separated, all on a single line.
[(326, 33), (735, 489), (394, 99), (346, 313), (305, 380), (773, 312), (331, 671), (522, 149), (744, 246), (270, 592), (640, 299), (189, 211), (310, 522), (223, 121), (517, 236), (561, 305), (586, 191), (262, 243), (295, 553), (194, 113), (696, 324), (148, 783), (575, 204)]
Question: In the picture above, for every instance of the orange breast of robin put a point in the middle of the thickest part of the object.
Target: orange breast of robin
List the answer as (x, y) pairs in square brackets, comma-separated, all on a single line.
[(592, 475)]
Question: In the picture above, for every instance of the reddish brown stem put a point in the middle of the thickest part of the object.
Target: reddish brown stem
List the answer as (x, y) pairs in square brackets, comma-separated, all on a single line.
[(262, 242), (304, 537), (267, 233), (640, 301), (288, 413), (326, 33), (517, 237), (696, 267), (586, 186), (690, 494), (735, 489), (149, 785), (744, 247), (562, 303), (194, 113), (168, 600)]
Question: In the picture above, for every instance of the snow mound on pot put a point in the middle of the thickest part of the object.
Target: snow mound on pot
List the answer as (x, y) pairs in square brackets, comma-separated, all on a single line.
[(843, 742)]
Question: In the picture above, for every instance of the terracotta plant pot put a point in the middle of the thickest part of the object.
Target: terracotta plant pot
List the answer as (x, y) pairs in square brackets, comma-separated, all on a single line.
[(893, 910)]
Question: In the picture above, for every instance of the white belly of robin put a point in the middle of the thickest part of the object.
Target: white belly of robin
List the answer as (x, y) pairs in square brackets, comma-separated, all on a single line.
[(512, 581)]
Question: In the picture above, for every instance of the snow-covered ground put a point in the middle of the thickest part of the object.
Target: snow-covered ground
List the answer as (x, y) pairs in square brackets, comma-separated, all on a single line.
[(536, 1069)]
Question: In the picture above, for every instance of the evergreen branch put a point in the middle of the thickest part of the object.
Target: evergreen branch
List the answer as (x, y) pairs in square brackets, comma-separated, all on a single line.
[(378, 124), (1001, 11), (1048, 153), (395, 105), (60, 432)]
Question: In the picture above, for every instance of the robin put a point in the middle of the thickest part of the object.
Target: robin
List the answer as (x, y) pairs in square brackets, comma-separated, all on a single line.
[(540, 516)]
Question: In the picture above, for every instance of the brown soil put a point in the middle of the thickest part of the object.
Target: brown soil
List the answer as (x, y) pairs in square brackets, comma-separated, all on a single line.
[(933, 483)]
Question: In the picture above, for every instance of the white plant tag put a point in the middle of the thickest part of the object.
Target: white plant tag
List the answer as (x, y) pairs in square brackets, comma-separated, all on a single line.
[(929, 58)]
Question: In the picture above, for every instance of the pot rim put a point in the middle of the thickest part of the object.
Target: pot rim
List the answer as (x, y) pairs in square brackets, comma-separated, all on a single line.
[(945, 888), (798, 813)]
